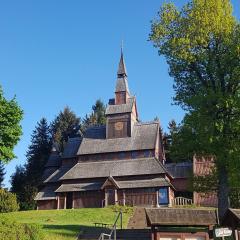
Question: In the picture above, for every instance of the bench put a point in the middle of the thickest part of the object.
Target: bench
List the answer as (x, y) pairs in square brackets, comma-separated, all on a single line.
[(103, 225)]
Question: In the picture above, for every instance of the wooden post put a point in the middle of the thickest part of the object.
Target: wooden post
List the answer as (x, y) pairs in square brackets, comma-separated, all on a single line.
[(106, 198), (157, 203), (65, 201), (124, 198), (73, 200), (115, 196), (58, 202)]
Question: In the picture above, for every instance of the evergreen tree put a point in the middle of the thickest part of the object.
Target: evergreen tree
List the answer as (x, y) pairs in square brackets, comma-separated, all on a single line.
[(201, 43), (18, 181), (96, 117), (26, 180), (2, 173), (38, 153), (65, 125)]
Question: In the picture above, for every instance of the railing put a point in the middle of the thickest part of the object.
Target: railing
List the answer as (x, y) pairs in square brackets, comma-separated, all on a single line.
[(181, 201), (113, 230)]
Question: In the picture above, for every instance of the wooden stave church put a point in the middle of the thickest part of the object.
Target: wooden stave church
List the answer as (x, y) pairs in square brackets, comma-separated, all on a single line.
[(121, 163)]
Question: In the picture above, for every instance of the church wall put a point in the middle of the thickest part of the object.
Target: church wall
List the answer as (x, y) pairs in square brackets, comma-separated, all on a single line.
[(46, 204), (119, 126), (120, 98), (140, 197), (88, 199), (117, 155)]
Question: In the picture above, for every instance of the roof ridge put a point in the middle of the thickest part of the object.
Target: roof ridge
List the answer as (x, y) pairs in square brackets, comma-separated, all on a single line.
[(121, 160), (146, 123)]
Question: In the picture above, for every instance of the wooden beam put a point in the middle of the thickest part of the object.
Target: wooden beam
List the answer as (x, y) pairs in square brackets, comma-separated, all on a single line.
[(65, 201), (58, 202)]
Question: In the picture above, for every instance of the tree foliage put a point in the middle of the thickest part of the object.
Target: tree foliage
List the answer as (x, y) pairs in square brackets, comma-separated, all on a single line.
[(2, 173), (65, 125), (96, 117), (10, 128), (26, 180), (201, 43), (8, 202)]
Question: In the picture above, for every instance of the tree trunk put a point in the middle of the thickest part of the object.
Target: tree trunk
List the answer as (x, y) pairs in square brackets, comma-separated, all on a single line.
[(223, 192)]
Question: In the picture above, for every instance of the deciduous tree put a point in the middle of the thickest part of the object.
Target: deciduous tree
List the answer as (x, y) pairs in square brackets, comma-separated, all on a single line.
[(10, 128), (201, 43)]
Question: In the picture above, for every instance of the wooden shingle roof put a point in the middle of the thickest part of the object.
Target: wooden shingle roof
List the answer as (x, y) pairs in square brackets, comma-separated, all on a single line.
[(71, 148), (54, 177), (47, 193), (144, 183), (115, 168), (179, 170), (121, 108), (143, 138), (181, 217), (80, 187)]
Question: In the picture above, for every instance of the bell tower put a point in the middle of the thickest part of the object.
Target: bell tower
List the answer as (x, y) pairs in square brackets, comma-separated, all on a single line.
[(121, 111), (121, 91)]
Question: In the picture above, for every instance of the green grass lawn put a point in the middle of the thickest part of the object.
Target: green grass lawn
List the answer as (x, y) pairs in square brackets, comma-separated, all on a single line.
[(66, 224)]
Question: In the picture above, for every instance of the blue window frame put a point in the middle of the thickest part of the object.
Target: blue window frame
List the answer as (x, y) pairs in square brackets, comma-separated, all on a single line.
[(163, 198), (146, 153), (122, 155), (134, 154)]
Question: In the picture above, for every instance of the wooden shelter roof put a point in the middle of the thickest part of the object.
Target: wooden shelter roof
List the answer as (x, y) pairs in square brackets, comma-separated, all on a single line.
[(181, 217)]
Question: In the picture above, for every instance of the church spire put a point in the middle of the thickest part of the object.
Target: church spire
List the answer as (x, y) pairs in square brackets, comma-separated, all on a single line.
[(122, 72)]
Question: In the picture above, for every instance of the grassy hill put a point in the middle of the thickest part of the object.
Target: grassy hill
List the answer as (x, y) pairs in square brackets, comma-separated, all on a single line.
[(66, 224)]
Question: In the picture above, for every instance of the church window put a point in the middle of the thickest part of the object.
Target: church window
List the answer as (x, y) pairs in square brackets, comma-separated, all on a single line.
[(122, 155), (163, 196), (146, 153), (134, 154)]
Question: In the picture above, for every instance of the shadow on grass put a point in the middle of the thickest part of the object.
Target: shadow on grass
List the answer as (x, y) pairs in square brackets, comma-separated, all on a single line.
[(72, 231)]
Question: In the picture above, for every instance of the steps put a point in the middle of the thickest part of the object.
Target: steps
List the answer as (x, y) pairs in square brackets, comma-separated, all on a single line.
[(137, 229), (138, 220), (124, 234)]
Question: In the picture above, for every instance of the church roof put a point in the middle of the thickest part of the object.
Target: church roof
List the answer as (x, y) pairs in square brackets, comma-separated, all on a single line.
[(143, 137), (122, 85), (155, 182), (117, 168), (71, 148), (47, 193), (121, 108), (122, 71), (80, 187), (57, 174), (179, 170), (54, 160)]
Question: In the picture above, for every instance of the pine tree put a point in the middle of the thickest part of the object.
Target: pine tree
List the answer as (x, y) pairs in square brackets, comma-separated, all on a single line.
[(38, 152), (65, 125), (2, 173), (96, 117), (26, 180)]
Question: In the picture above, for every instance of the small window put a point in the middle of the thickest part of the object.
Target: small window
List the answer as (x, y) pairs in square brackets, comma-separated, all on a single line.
[(134, 154), (163, 196), (146, 153), (122, 155)]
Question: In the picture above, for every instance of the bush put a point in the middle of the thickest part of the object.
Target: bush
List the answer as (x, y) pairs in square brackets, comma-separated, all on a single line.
[(12, 230), (8, 201)]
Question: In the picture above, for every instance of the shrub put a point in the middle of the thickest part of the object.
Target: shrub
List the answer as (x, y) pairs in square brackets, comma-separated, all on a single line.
[(8, 202), (11, 230)]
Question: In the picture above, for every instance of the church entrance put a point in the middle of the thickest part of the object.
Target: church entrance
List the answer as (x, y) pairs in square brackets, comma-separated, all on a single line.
[(111, 196), (69, 201)]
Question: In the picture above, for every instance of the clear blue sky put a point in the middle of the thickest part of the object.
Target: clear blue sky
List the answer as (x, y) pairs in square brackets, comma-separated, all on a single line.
[(55, 53)]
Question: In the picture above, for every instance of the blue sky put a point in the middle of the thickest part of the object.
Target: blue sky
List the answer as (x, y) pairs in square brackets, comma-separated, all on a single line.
[(55, 53)]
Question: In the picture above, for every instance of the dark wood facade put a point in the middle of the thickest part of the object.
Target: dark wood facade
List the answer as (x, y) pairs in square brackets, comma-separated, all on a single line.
[(118, 163)]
